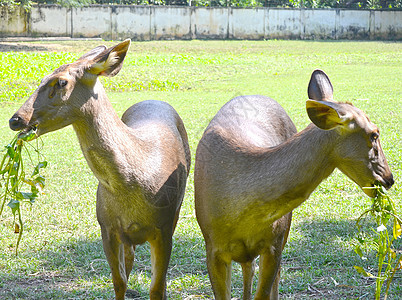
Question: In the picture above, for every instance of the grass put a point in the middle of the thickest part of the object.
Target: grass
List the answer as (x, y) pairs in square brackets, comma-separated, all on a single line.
[(61, 256)]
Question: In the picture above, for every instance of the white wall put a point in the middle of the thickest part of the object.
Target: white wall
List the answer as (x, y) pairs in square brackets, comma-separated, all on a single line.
[(46, 19), (13, 22), (209, 23), (175, 22)]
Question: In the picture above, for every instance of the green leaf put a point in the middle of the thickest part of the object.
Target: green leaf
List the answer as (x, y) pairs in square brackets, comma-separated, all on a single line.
[(14, 169), (14, 204), (23, 195), (39, 185), (359, 251), (5, 170), (360, 270), (361, 239), (396, 230), (40, 165), (10, 151), (40, 180), (27, 136), (382, 247), (13, 181)]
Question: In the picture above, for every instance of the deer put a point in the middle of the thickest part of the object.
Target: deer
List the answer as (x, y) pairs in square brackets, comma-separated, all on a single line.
[(252, 168), (141, 161)]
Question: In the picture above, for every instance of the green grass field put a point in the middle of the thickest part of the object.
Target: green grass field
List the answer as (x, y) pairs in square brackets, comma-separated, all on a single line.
[(61, 256)]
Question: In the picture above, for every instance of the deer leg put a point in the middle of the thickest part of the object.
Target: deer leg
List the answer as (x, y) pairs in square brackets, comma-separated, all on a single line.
[(270, 260), (129, 262), (269, 265), (275, 286), (248, 274), (287, 219), (114, 251), (220, 273), (176, 218), (128, 258), (161, 248)]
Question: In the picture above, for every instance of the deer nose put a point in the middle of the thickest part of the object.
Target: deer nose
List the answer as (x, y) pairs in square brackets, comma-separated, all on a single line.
[(16, 123), (389, 182)]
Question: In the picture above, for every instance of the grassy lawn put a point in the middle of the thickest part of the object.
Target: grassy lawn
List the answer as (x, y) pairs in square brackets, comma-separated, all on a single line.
[(61, 256)]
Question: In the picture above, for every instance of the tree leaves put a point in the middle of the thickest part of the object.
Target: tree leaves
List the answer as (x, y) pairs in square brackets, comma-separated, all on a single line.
[(382, 211), (18, 188), (40, 165)]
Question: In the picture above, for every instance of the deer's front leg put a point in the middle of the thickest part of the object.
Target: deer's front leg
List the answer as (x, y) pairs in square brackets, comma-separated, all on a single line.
[(267, 282), (114, 251), (220, 272), (248, 269)]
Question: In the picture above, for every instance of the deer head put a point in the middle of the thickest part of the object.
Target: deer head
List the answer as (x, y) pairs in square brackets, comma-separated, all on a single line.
[(63, 95), (358, 153)]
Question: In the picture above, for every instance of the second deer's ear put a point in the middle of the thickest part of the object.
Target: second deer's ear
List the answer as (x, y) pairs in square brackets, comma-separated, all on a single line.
[(320, 87), (110, 61), (326, 115)]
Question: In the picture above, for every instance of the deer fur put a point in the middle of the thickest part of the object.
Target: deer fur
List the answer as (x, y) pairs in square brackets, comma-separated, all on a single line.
[(252, 169)]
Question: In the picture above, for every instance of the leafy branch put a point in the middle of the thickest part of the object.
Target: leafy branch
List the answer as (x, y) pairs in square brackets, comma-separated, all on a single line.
[(382, 240), (14, 179)]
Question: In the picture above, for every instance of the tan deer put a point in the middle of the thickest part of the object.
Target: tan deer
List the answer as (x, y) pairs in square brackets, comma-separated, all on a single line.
[(252, 169), (141, 161)]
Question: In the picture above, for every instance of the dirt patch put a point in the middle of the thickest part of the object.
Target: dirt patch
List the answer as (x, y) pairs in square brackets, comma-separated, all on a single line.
[(25, 47), (46, 44)]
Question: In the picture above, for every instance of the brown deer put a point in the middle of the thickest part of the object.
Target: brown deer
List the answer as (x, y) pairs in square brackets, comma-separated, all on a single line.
[(252, 169), (141, 161)]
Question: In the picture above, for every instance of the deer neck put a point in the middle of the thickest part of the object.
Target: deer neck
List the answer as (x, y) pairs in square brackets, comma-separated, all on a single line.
[(300, 165), (107, 143)]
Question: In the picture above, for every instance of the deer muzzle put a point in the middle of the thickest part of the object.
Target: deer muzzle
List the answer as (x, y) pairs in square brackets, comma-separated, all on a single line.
[(17, 123)]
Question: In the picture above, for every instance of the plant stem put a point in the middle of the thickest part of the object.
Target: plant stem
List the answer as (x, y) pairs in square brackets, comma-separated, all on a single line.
[(20, 232)]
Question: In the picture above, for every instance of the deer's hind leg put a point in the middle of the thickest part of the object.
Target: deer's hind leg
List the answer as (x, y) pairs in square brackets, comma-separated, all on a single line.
[(161, 248)]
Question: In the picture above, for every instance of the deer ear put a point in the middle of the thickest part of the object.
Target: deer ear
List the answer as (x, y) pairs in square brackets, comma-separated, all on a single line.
[(91, 54), (320, 87), (110, 61), (326, 115)]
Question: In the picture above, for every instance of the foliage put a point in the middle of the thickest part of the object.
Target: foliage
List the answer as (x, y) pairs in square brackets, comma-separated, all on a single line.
[(14, 178), (66, 3), (12, 4), (26, 4), (356, 4), (385, 215)]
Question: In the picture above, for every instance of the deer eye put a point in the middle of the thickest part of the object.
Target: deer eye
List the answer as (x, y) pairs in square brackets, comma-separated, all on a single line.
[(374, 136), (62, 83)]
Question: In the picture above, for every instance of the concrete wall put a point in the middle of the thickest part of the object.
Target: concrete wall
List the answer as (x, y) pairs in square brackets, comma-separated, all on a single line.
[(167, 22)]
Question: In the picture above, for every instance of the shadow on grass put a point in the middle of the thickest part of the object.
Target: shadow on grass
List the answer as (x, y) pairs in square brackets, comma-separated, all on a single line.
[(317, 263), (79, 270), (8, 47)]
